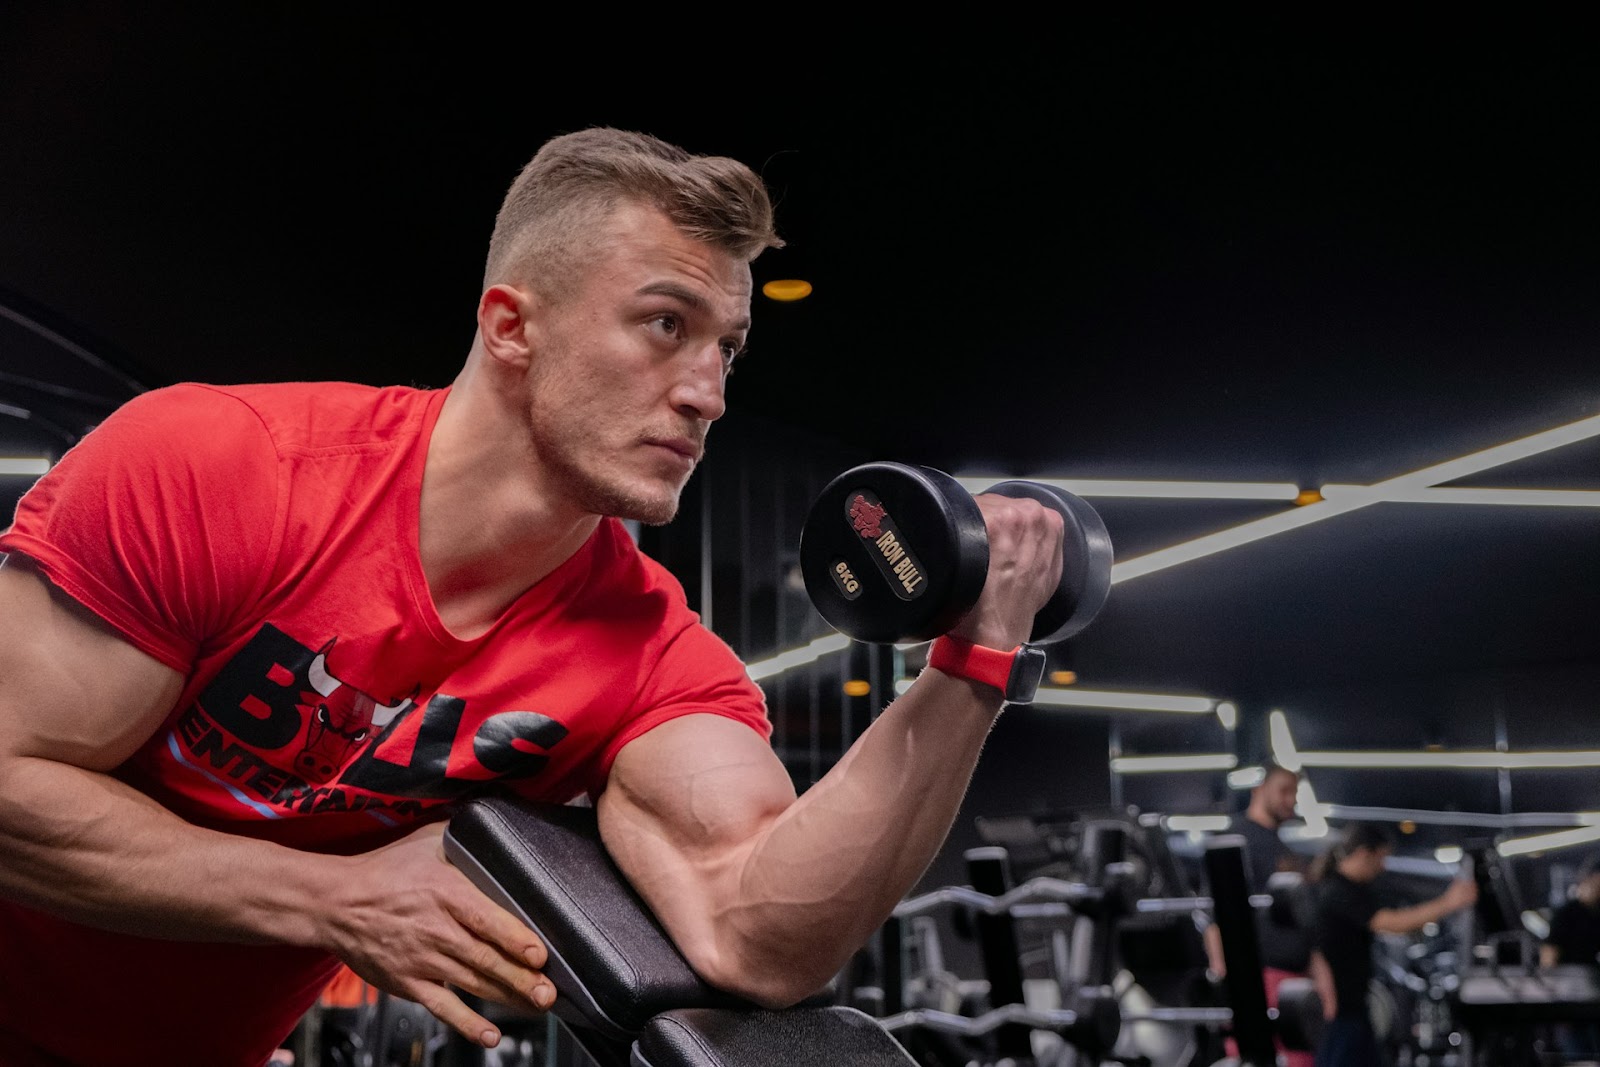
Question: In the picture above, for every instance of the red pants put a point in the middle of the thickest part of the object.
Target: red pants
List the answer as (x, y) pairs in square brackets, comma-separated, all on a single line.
[(1272, 978)]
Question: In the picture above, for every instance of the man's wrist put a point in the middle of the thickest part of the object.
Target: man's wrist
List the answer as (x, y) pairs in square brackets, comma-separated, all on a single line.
[(1015, 672)]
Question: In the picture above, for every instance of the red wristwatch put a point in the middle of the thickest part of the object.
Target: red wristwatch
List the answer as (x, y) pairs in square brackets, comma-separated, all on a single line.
[(1016, 673)]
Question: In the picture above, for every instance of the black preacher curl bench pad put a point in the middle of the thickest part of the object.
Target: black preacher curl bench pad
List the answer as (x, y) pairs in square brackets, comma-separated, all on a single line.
[(805, 1037), (614, 968)]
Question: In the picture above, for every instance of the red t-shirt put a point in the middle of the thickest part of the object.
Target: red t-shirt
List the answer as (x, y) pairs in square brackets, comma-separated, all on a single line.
[(263, 540)]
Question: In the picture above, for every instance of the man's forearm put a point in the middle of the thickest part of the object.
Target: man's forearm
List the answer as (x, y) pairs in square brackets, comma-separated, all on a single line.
[(113, 858), (1405, 920), (828, 871)]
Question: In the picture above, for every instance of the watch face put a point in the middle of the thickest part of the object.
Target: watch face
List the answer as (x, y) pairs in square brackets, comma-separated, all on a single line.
[(1027, 670)]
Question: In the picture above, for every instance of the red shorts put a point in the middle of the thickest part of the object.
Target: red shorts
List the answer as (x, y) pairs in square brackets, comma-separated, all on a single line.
[(1273, 978)]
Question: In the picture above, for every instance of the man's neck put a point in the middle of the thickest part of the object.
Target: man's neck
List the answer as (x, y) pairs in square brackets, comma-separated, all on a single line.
[(490, 527)]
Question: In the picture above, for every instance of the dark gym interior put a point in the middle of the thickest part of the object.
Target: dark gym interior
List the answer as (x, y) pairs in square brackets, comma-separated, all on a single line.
[(1274, 254)]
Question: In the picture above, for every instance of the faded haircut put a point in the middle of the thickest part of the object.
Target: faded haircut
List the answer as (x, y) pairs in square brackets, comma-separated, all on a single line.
[(1269, 767), (552, 221)]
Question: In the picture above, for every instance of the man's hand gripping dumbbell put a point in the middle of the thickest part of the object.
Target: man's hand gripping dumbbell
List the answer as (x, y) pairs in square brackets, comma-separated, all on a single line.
[(894, 553)]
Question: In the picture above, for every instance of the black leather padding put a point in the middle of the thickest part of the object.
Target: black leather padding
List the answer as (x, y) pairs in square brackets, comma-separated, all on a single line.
[(612, 964), (799, 1037)]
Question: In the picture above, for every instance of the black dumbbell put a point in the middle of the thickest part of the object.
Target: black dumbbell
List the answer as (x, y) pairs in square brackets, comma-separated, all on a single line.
[(896, 553)]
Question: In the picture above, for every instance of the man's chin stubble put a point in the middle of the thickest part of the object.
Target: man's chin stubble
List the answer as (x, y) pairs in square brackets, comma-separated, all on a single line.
[(623, 505)]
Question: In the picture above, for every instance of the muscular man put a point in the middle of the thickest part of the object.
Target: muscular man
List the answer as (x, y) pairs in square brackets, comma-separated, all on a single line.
[(255, 640), (1348, 915)]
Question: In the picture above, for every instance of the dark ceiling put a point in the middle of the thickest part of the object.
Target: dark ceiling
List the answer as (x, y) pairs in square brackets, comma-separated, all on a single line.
[(1274, 252)]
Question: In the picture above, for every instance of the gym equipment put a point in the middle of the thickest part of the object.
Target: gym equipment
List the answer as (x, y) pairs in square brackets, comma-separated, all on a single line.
[(1087, 973), (893, 553), (1500, 997), (1090, 1023), (625, 993)]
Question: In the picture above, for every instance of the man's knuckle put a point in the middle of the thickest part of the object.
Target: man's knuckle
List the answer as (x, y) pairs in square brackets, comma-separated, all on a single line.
[(483, 959)]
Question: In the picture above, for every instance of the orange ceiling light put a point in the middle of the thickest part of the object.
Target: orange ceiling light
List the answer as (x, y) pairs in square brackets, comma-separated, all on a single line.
[(786, 290)]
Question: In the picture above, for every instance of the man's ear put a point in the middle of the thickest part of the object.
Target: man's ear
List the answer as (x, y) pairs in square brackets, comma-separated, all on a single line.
[(508, 325)]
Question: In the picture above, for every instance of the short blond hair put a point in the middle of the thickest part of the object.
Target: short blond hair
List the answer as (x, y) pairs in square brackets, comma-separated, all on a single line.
[(551, 220)]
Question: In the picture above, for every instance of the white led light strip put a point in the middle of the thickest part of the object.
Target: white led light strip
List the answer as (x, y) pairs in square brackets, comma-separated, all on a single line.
[(1196, 824), (1521, 846), (1417, 487), (23, 466), (1092, 698), (1210, 761), (1522, 820), (1160, 490), (797, 657), (1316, 813), (1525, 498), (1284, 753), (1451, 760), (1109, 700), (1351, 498)]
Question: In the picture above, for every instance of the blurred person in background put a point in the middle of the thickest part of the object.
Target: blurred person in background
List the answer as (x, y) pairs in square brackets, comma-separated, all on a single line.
[(1347, 916)]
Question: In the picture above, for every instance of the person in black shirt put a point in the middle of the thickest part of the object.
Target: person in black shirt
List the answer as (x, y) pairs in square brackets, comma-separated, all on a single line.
[(1348, 914), (1271, 805), (1285, 946), (1575, 926), (1575, 938)]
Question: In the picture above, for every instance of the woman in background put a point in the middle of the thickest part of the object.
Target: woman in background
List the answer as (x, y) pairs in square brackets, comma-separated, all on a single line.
[(1348, 915)]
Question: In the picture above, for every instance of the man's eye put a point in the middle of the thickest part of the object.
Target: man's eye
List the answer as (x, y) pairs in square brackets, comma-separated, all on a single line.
[(670, 324), (730, 352)]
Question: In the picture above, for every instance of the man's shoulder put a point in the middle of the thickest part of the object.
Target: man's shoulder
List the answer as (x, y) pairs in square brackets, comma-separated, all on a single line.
[(1251, 830), (312, 415)]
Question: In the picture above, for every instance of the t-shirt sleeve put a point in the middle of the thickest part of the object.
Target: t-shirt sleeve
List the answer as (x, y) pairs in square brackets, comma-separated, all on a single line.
[(697, 674), (160, 519)]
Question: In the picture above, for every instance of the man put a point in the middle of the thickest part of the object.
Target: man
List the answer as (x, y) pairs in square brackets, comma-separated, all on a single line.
[(1285, 945), (1575, 926), (1271, 806), (1348, 915), (255, 640), (1575, 939)]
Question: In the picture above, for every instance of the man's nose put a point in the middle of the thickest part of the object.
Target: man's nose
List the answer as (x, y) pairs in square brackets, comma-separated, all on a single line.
[(699, 391)]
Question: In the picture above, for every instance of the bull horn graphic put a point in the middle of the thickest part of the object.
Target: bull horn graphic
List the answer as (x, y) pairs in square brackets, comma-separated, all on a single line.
[(383, 714), (321, 680)]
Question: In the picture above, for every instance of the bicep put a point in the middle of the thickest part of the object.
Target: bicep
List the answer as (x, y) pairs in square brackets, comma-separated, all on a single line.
[(684, 807), (697, 787), (71, 689)]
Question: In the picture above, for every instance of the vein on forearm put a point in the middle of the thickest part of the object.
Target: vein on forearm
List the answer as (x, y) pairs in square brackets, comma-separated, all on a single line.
[(116, 859)]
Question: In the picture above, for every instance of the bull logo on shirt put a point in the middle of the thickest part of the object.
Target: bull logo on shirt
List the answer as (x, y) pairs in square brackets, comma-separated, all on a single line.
[(340, 717), (277, 696)]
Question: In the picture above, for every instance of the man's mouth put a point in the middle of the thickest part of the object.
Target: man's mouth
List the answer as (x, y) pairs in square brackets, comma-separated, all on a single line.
[(686, 447)]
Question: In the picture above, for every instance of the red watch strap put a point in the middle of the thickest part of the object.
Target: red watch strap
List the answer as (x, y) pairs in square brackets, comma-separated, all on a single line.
[(963, 659)]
